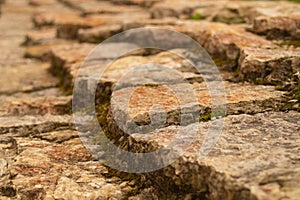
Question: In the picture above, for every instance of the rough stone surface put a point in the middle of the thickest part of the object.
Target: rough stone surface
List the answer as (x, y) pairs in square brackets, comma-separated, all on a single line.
[(221, 39), (181, 106), (22, 78), (36, 106), (278, 27), (41, 36), (255, 156), (272, 66), (234, 12)]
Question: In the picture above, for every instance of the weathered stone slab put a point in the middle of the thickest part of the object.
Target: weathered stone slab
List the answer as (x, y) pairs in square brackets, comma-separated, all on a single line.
[(53, 18), (269, 66), (67, 60), (57, 136), (222, 11), (39, 52), (26, 125), (38, 168), (130, 24), (68, 23), (184, 103), (222, 41), (36, 106), (67, 57), (178, 9), (255, 157), (40, 37), (278, 27), (8, 149), (25, 78), (99, 34), (99, 7)]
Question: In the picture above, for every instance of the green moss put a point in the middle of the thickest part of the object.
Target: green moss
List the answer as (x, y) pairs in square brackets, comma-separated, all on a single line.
[(224, 63), (229, 20), (296, 93), (297, 1), (294, 43), (205, 117), (196, 16)]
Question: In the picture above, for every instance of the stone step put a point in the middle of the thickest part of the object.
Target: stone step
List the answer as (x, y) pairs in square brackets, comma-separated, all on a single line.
[(69, 23), (40, 42), (234, 48), (99, 7), (223, 40), (40, 37), (36, 106), (222, 11), (26, 125), (268, 66), (68, 59), (255, 157), (38, 165), (99, 34), (278, 27), (144, 108), (32, 76)]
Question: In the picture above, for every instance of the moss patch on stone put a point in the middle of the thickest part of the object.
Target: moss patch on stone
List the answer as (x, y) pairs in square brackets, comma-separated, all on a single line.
[(224, 63), (294, 43), (196, 16), (297, 1)]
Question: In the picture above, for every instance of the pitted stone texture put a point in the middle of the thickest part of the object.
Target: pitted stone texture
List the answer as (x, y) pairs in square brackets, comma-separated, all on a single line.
[(255, 157), (44, 169), (25, 78), (57, 136), (271, 66), (26, 125), (8, 150), (132, 109), (35, 106), (278, 27)]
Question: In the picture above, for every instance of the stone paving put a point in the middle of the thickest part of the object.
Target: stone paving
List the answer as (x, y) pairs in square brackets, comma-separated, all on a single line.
[(256, 47)]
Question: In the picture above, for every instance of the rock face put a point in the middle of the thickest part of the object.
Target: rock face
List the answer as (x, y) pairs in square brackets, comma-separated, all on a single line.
[(278, 27), (150, 100), (272, 66), (252, 159)]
